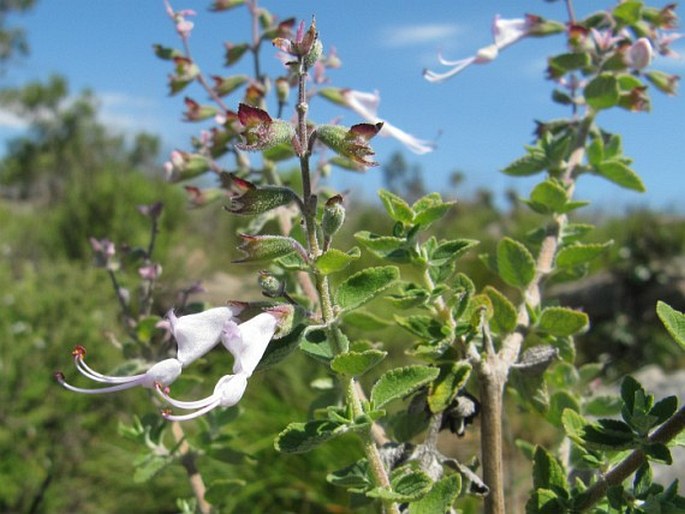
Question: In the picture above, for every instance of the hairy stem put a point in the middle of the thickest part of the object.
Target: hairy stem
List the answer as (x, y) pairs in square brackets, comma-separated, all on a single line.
[(309, 200), (187, 459), (494, 369), (631, 463)]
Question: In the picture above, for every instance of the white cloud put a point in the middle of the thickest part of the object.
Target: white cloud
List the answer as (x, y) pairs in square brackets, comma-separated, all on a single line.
[(9, 120), (428, 33), (127, 113)]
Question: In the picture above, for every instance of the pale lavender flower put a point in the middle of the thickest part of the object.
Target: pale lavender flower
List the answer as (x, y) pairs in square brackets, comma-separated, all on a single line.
[(150, 272), (505, 32), (639, 54), (247, 343), (366, 105), (183, 26)]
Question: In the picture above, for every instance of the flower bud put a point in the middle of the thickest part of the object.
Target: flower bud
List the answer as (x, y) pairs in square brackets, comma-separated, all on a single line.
[(639, 54), (314, 54), (282, 89), (257, 200), (663, 81), (333, 215), (184, 165), (261, 132), (352, 143), (270, 285)]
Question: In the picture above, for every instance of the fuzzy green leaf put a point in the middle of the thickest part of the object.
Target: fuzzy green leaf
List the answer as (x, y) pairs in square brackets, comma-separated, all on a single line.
[(440, 498), (527, 165), (560, 321), (515, 263), (397, 208), (673, 320), (354, 364), (504, 316), (577, 254), (391, 248), (449, 251), (365, 320), (406, 485), (314, 342), (602, 92), (547, 472), (364, 286), (334, 260), (304, 437), (353, 476), (444, 389), (400, 382), (620, 173), (548, 197)]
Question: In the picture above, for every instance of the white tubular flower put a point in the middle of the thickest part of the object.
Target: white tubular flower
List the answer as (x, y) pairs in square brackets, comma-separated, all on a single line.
[(164, 372), (366, 105), (247, 343), (505, 32), (195, 335)]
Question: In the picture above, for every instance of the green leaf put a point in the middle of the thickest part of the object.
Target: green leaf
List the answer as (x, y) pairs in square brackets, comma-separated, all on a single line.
[(628, 12), (664, 409), (504, 317), (353, 476), (548, 197), (608, 434), (226, 85), (450, 381), (577, 254), (391, 248), (166, 53), (558, 403), (314, 342), (235, 52), (659, 452), (603, 405), (400, 382), (544, 501), (574, 425), (364, 286), (355, 364), (602, 92), (304, 437), (673, 320), (449, 251), (423, 326), (397, 208), (560, 321), (429, 209), (528, 165), (334, 260), (440, 498), (406, 485), (148, 465), (220, 490), (365, 320), (515, 263), (279, 152), (559, 65), (547, 472), (619, 173)]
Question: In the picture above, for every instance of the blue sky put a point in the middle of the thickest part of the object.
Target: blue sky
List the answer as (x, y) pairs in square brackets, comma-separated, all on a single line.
[(481, 118)]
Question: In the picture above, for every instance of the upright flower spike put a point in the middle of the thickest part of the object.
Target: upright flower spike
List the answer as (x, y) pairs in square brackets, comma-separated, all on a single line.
[(247, 343), (366, 106), (195, 335), (505, 32)]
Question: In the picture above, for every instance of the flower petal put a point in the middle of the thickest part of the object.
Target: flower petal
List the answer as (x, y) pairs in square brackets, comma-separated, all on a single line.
[(248, 341), (196, 334)]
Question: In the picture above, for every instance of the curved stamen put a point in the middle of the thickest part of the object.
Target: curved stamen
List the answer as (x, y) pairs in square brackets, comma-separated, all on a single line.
[(185, 404), (89, 372), (185, 417), (59, 376)]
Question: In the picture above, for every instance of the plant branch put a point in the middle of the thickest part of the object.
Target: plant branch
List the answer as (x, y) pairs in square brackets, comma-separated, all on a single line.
[(187, 459), (631, 463)]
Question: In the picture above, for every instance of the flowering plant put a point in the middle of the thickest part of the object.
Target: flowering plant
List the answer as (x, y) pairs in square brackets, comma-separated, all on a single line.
[(468, 343)]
